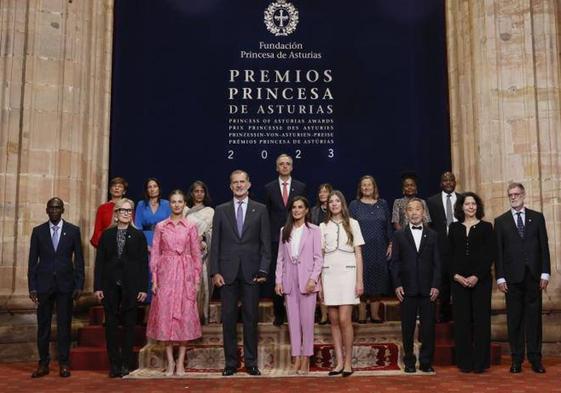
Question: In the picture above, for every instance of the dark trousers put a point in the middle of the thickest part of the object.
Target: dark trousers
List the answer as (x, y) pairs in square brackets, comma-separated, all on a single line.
[(409, 308), (268, 289), (249, 295), (524, 318), (119, 307), (445, 288), (47, 302), (472, 325)]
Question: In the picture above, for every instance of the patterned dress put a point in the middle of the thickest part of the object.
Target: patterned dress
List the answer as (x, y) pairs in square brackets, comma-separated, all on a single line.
[(374, 220), (176, 263)]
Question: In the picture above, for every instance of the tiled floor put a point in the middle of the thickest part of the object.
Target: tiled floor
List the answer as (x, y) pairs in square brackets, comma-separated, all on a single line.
[(15, 377)]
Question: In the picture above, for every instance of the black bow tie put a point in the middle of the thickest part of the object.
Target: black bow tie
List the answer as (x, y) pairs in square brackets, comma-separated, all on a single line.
[(420, 227)]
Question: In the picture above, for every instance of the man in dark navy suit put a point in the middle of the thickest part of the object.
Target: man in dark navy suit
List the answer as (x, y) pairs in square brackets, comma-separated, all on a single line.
[(522, 269), (416, 275), (277, 195), (55, 278)]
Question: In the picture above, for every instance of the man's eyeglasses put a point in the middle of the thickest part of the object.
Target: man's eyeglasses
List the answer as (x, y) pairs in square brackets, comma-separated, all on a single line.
[(515, 195), (124, 211)]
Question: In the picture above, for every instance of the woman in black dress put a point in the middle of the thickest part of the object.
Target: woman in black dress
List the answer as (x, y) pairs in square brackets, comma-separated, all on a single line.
[(472, 249)]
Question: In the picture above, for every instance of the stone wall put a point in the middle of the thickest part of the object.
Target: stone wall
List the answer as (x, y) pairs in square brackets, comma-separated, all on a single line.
[(55, 70)]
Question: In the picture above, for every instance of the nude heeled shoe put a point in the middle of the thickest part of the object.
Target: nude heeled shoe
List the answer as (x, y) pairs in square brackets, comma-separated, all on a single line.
[(170, 370), (180, 373)]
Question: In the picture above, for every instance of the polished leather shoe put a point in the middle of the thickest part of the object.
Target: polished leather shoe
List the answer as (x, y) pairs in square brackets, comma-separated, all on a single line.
[(64, 371), (253, 371), (426, 369), (466, 370), (228, 372), (410, 369), (335, 372), (538, 368), (115, 374), (515, 368), (40, 372)]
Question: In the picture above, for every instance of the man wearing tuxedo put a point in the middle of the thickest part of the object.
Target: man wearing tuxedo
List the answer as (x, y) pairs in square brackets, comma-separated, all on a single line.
[(240, 255), (55, 278), (441, 210), (277, 195), (415, 270), (522, 270)]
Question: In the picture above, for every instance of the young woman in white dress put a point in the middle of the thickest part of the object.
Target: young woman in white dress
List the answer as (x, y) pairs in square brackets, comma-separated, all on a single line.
[(341, 277)]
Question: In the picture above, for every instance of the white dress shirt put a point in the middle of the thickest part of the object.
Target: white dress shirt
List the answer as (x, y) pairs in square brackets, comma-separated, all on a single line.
[(417, 234), (295, 238), (515, 212), (453, 199), (288, 184), (244, 206), (59, 226)]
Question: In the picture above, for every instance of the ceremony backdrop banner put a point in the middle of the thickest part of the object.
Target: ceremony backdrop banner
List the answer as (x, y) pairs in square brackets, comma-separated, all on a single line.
[(202, 87)]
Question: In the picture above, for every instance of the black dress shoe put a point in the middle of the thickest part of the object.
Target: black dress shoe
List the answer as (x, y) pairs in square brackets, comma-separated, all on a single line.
[(466, 370), (538, 368), (347, 373), (377, 321), (125, 371), (40, 372), (515, 368), (228, 371), (115, 374), (362, 321), (410, 369), (64, 371), (335, 372), (253, 371), (478, 370), (426, 369)]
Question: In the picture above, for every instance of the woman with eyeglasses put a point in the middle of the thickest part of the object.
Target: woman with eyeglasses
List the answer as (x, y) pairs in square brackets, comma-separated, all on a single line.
[(175, 263), (120, 282), (104, 215)]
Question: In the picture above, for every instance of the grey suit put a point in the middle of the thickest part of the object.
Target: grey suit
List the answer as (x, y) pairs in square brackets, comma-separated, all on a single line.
[(239, 259)]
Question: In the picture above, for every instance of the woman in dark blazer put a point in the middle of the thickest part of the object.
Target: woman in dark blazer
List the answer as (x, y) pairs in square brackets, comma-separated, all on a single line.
[(120, 282), (472, 250)]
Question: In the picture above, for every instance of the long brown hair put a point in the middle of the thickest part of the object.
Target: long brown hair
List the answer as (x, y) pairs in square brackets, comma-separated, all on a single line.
[(344, 214), (328, 187), (287, 229)]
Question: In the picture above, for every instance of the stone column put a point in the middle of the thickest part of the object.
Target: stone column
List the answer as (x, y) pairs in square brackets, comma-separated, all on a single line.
[(503, 66), (54, 124)]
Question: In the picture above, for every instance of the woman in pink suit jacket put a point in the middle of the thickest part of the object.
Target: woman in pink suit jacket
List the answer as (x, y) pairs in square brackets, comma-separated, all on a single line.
[(299, 264)]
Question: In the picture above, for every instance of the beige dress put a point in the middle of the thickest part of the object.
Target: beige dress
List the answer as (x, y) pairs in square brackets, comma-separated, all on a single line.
[(202, 218), (339, 263)]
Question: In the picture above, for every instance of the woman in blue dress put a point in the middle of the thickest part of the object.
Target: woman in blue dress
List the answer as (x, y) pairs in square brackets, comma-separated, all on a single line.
[(374, 217), (150, 211)]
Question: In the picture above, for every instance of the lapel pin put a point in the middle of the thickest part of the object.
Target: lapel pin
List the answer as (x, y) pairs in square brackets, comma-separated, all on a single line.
[(252, 210), (63, 233)]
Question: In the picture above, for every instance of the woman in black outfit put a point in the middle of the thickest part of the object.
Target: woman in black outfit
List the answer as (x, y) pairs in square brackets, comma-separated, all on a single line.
[(472, 249), (120, 282)]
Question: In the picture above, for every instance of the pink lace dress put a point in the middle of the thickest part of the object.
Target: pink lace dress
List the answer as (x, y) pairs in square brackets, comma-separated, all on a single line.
[(176, 264)]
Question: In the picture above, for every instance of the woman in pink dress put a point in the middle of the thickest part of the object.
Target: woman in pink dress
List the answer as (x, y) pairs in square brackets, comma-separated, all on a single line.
[(176, 272)]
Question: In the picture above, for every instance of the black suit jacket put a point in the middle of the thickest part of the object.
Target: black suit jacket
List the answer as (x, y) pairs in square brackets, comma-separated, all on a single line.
[(515, 253), (273, 200), (62, 270), (416, 272), (437, 213), (134, 260), (251, 252)]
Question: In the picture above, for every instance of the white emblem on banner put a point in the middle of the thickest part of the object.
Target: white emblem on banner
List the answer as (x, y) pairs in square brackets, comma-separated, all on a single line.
[(281, 18)]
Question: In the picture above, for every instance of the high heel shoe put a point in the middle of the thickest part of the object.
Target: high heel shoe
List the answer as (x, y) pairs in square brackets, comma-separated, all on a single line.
[(335, 372), (170, 370), (347, 373)]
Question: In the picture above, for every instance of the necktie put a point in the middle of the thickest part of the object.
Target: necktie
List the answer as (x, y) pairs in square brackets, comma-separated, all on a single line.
[(285, 193), (420, 227), (239, 218), (520, 224), (55, 237), (449, 212)]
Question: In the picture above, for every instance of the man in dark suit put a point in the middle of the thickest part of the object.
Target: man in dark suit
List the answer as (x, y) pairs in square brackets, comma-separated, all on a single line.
[(55, 276), (522, 269), (441, 211), (277, 195), (239, 261), (120, 282), (416, 275)]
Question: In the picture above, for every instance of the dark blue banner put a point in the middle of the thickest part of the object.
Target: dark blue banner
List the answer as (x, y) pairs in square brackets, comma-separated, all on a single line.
[(202, 87)]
